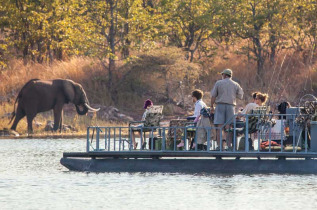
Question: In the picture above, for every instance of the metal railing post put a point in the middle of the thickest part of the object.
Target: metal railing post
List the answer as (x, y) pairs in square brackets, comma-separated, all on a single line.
[(141, 138), (97, 139), (105, 138), (306, 135), (119, 138), (246, 138), (185, 138), (282, 134), (234, 141), (114, 139), (87, 145), (293, 132), (270, 137), (174, 138), (259, 135), (220, 140), (195, 139), (152, 140), (109, 136), (130, 139), (163, 140), (208, 138)]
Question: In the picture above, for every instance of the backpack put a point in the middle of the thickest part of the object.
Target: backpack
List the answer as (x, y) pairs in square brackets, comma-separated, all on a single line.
[(206, 112)]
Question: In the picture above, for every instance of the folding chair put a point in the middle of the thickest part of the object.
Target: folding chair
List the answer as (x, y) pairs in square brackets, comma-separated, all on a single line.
[(152, 119), (258, 117)]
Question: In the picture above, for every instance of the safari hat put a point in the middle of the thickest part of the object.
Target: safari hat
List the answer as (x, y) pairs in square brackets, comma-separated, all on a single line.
[(227, 72)]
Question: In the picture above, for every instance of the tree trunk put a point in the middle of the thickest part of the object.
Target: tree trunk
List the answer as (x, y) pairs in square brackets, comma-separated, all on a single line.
[(111, 41), (273, 42), (126, 42), (258, 51)]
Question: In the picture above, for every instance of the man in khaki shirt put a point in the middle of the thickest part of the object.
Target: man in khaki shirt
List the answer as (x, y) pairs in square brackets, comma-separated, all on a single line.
[(224, 94)]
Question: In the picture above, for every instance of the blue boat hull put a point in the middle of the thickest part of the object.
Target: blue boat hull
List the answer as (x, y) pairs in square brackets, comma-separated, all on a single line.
[(190, 165)]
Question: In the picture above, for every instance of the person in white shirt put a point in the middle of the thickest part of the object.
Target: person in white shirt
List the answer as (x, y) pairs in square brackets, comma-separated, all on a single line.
[(197, 96), (250, 106)]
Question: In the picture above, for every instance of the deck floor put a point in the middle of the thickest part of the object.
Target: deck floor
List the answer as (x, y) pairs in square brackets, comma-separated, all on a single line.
[(186, 154)]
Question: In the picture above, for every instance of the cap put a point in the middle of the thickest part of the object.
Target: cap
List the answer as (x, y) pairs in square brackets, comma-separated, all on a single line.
[(227, 72)]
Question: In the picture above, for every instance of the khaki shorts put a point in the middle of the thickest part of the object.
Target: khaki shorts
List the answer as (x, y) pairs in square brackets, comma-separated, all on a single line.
[(223, 113)]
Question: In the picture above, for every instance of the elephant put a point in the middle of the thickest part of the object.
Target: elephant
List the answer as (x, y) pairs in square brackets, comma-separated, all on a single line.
[(43, 95)]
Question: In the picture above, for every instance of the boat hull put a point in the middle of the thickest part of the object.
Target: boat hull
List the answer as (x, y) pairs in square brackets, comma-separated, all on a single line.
[(191, 165)]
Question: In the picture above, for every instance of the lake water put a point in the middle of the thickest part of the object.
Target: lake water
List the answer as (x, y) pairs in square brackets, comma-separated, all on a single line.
[(31, 177)]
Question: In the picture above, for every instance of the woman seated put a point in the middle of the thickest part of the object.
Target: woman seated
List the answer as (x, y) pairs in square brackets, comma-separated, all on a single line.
[(259, 100), (147, 104), (250, 106)]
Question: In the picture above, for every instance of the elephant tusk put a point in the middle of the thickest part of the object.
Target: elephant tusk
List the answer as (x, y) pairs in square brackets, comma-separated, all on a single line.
[(91, 109)]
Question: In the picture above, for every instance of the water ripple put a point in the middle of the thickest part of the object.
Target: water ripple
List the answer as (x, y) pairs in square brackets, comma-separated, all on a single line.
[(31, 177)]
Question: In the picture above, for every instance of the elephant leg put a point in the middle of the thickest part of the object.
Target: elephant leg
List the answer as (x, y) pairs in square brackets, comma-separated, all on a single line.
[(61, 122), (30, 118), (18, 116), (57, 116)]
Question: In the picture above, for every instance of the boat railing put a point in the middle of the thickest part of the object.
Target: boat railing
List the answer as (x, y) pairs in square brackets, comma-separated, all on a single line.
[(283, 133)]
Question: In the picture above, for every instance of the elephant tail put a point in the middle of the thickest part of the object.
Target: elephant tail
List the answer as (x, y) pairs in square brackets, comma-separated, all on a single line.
[(18, 97), (16, 100), (13, 115)]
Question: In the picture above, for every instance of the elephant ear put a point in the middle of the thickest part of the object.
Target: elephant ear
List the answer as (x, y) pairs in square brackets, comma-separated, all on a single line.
[(69, 90)]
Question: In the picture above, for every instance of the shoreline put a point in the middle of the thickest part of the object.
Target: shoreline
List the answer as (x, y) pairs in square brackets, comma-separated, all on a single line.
[(45, 136), (51, 136)]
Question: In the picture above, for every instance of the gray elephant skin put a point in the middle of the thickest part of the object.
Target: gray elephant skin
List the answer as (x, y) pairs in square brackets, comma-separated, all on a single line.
[(43, 95)]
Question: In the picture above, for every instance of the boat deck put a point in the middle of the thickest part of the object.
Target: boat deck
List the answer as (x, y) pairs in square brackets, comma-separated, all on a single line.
[(186, 154), (289, 148)]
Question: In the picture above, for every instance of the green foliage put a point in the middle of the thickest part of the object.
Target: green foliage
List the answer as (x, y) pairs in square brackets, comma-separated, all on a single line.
[(189, 24), (44, 30)]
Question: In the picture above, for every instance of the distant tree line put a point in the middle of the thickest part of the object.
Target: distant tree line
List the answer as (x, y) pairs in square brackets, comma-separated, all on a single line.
[(48, 30)]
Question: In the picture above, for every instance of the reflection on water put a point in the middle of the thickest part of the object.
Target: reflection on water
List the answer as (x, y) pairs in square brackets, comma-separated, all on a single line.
[(31, 177)]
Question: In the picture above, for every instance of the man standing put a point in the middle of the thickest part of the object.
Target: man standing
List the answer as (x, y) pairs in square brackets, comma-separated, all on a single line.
[(224, 94)]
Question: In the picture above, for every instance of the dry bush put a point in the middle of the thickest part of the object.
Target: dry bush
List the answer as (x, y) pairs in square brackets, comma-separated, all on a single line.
[(17, 74), (164, 75), (287, 80), (81, 70), (157, 74)]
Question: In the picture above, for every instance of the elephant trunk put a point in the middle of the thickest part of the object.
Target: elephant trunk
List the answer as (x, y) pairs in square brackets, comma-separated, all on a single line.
[(81, 112)]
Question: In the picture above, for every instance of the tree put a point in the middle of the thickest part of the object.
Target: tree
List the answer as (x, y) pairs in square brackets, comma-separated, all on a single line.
[(39, 29), (304, 33), (263, 23), (190, 23)]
